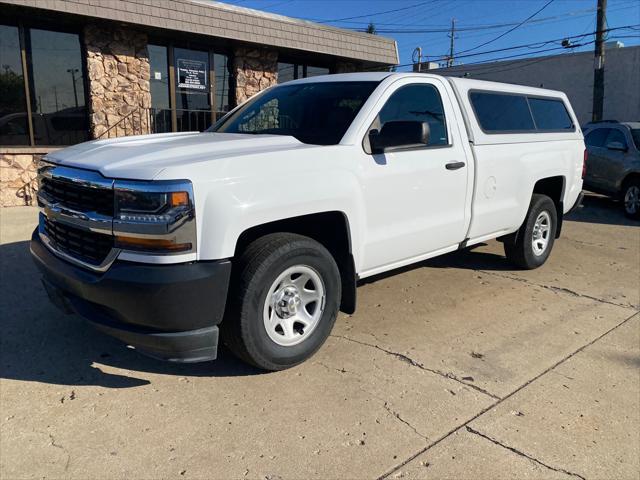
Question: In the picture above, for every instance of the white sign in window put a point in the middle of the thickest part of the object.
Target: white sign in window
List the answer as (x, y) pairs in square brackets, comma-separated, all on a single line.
[(192, 74)]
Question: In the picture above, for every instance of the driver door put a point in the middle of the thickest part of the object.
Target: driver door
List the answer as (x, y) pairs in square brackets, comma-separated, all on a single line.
[(415, 197)]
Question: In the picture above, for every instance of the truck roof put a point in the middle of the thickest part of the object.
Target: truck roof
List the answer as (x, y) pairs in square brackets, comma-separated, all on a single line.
[(463, 84)]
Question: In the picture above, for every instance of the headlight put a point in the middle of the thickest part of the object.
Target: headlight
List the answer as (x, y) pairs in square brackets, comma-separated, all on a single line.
[(156, 217)]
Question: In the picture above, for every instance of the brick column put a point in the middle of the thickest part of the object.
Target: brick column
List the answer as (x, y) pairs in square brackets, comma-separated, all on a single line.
[(118, 68), (254, 69), (18, 184)]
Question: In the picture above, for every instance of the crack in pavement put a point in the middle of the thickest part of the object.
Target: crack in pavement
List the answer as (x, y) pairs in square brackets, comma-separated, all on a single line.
[(385, 403), (495, 404), (397, 415), (406, 359), (52, 442), (555, 289), (522, 454)]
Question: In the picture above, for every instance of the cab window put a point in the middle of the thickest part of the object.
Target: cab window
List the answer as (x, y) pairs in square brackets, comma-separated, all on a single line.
[(418, 103)]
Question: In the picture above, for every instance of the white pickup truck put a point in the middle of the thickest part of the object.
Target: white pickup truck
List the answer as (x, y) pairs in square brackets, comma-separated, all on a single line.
[(259, 229)]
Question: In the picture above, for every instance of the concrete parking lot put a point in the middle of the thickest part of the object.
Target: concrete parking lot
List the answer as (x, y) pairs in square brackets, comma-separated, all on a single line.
[(459, 367)]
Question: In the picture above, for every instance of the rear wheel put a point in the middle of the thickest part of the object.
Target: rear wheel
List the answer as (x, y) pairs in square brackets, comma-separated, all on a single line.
[(631, 198), (535, 238), (284, 301)]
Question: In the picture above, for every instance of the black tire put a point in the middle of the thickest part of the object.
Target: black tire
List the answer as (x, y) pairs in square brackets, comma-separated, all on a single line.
[(631, 185), (255, 271), (521, 252)]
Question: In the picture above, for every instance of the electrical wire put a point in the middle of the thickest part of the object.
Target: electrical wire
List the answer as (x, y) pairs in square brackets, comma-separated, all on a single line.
[(510, 30), (444, 57), (377, 13)]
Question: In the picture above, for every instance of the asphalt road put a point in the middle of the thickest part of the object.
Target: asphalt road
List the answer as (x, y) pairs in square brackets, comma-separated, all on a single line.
[(459, 367)]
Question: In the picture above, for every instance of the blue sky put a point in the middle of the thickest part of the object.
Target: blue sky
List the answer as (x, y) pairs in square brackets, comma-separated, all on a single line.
[(559, 19)]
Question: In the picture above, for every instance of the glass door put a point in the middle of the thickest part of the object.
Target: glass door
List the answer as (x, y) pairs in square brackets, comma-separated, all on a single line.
[(193, 90), (160, 113)]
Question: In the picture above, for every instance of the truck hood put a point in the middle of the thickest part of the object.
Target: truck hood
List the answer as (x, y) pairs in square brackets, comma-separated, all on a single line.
[(144, 157)]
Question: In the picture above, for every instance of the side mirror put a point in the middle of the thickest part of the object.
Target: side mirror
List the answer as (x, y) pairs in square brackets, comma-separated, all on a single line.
[(399, 135), (616, 146)]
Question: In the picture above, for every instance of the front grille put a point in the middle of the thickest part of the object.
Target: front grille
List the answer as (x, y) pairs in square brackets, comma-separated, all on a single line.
[(78, 197), (87, 246)]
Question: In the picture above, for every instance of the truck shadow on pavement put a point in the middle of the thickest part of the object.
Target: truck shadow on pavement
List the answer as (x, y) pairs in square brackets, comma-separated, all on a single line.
[(600, 209), (41, 344)]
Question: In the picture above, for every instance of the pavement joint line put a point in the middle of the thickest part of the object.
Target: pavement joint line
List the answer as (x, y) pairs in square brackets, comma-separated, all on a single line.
[(486, 409), (404, 358), (522, 454), (559, 290)]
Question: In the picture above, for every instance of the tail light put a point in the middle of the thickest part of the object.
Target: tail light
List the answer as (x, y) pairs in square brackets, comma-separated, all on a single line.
[(584, 163)]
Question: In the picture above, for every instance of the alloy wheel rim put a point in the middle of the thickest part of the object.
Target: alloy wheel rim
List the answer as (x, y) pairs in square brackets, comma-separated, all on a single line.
[(294, 305), (541, 231), (632, 199)]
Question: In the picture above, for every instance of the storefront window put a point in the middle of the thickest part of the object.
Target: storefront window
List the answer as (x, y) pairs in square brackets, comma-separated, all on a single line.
[(287, 72), (200, 93), (159, 83), (315, 71), (293, 71), (14, 127), (58, 98), (193, 100), (221, 85)]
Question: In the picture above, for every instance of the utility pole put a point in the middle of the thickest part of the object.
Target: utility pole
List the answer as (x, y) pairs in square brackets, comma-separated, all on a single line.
[(73, 72), (598, 66), (452, 35)]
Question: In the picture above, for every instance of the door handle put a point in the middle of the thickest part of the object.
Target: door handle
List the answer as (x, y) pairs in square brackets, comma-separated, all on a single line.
[(454, 165)]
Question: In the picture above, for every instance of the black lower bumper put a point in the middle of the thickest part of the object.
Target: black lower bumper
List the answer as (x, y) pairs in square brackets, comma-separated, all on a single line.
[(169, 312)]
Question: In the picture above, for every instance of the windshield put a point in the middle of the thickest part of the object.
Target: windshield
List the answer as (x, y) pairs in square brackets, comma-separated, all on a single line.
[(635, 133), (316, 113)]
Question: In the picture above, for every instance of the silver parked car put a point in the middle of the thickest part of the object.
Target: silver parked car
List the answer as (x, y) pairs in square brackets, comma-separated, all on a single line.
[(613, 162)]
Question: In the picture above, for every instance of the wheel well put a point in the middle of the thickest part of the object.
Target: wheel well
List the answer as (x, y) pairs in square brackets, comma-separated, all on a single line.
[(632, 176), (553, 187), (331, 229)]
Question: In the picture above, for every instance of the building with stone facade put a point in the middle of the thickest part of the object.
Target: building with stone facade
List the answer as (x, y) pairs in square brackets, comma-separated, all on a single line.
[(76, 70)]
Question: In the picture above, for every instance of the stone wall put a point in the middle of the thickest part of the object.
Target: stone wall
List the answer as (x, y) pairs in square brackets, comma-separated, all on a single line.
[(18, 184), (118, 68), (254, 70)]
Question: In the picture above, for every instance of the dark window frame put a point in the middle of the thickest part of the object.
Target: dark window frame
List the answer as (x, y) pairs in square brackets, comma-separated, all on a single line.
[(27, 73), (526, 96)]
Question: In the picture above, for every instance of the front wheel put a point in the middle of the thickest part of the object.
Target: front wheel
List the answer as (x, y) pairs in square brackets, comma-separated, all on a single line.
[(536, 235), (284, 301), (631, 198)]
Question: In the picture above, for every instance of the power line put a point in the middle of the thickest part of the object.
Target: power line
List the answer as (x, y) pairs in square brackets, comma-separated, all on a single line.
[(531, 45), (511, 29), (486, 27), (542, 42), (376, 13), (471, 27)]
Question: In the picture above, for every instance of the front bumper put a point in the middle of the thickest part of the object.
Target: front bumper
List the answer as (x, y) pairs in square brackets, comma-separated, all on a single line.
[(169, 312)]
